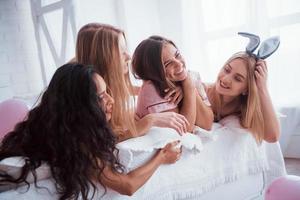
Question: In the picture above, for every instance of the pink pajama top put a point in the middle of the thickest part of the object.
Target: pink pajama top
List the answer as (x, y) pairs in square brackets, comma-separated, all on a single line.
[(150, 101)]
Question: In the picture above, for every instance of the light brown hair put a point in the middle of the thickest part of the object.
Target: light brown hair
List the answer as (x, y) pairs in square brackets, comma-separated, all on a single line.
[(105, 57), (84, 42), (147, 63)]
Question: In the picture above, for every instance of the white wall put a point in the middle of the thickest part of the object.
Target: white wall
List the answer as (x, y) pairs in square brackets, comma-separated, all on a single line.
[(97, 11), (20, 73)]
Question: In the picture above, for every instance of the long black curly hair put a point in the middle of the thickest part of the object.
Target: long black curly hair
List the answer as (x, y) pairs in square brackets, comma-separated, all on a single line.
[(67, 130)]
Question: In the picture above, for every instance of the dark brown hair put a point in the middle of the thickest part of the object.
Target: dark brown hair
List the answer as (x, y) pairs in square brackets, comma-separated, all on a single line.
[(147, 62), (67, 130)]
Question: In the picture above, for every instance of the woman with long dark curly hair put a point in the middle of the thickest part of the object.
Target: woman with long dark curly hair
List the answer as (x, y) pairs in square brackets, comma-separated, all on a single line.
[(69, 132)]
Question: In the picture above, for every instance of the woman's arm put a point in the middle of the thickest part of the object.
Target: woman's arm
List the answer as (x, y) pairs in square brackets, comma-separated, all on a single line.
[(272, 128), (188, 107), (164, 119), (128, 184), (205, 116)]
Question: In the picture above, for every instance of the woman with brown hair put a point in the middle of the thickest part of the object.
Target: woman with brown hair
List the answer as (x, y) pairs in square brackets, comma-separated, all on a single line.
[(158, 62), (106, 50)]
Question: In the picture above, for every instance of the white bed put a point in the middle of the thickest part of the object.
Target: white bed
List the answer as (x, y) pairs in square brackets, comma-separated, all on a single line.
[(230, 167)]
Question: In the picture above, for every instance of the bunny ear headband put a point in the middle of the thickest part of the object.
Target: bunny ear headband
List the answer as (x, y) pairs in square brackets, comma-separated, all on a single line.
[(267, 48)]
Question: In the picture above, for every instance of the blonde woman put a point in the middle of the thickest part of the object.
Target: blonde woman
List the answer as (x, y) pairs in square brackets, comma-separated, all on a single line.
[(241, 89), (107, 52)]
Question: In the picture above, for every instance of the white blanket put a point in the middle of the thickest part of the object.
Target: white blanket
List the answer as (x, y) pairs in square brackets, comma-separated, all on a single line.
[(136, 151), (233, 155)]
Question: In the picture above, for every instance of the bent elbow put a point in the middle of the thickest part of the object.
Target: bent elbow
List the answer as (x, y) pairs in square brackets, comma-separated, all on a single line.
[(190, 129), (209, 123), (128, 192), (208, 126), (272, 138), (129, 189)]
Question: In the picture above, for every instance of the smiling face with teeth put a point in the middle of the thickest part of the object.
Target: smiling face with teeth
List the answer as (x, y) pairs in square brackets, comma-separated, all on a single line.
[(173, 63), (232, 79)]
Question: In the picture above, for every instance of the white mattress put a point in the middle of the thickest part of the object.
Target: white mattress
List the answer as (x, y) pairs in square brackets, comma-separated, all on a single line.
[(229, 168), (245, 188)]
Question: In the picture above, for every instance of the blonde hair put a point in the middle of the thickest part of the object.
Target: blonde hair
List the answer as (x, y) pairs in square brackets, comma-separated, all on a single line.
[(105, 57), (84, 42), (250, 108)]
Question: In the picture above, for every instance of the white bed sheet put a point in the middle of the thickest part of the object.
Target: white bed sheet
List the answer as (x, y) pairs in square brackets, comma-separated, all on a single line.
[(225, 164)]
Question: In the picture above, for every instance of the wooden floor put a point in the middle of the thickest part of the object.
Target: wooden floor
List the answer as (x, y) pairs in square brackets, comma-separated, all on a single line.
[(292, 166)]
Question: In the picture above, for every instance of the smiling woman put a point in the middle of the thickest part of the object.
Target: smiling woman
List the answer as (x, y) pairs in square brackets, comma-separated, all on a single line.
[(240, 89), (174, 64), (158, 62), (232, 79)]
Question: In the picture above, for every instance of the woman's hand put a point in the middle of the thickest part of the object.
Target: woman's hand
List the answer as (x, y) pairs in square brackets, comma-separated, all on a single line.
[(174, 95), (170, 153), (170, 120), (129, 183), (261, 74), (188, 84)]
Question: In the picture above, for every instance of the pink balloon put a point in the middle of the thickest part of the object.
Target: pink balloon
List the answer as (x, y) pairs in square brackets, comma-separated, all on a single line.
[(12, 111), (284, 188)]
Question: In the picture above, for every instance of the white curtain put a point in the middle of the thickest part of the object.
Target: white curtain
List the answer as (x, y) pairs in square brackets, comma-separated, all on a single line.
[(210, 37), (206, 32)]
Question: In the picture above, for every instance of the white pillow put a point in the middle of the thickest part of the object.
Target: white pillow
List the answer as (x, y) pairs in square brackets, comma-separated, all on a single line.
[(13, 167), (136, 151)]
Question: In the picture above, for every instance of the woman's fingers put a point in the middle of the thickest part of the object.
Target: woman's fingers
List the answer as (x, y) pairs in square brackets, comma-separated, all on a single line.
[(179, 98), (175, 97), (183, 121), (169, 93), (172, 120), (257, 75), (178, 122), (261, 71), (186, 122), (261, 64), (174, 144), (178, 126), (172, 152)]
